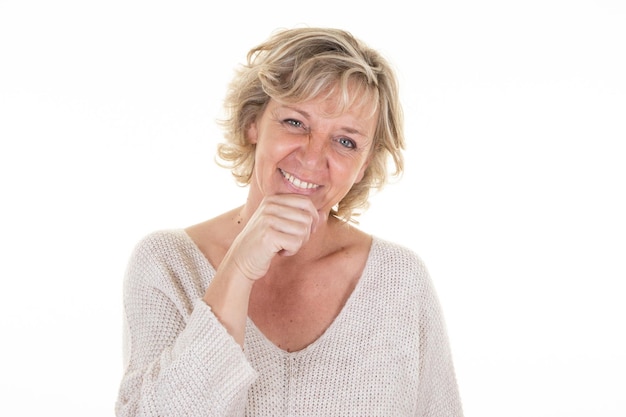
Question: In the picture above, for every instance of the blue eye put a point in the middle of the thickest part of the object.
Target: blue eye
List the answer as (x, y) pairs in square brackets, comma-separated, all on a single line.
[(348, 143), (293, 122)]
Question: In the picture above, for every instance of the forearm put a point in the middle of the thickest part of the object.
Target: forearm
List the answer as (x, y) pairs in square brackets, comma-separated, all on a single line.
[(180, 359), (203, 373), (228, 296)]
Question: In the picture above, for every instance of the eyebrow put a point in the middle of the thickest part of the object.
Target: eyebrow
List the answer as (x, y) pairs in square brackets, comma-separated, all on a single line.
[(347, 129)]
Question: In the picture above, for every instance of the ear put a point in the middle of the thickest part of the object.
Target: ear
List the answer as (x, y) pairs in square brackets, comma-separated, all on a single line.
[(252, 133)]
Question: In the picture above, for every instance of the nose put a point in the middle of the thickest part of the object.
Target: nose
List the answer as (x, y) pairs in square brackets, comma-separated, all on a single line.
[(312, 153)]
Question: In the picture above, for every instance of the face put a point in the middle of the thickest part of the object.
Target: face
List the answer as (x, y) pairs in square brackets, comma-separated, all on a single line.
[(306, 149)]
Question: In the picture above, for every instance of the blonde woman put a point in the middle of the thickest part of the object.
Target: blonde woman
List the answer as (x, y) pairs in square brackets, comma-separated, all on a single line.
[(282, 306)]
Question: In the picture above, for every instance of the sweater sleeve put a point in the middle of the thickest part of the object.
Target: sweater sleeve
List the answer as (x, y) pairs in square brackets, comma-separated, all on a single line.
[(438, 394), (179, 361)]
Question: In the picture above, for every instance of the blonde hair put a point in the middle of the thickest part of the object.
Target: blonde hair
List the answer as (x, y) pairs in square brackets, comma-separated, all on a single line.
[(297, 65)]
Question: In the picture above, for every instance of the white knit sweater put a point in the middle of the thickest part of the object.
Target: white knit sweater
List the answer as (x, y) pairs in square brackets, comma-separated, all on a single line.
[(386, 354)]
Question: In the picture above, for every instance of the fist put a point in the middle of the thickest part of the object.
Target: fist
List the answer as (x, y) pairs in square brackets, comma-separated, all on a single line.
[(281, 225)]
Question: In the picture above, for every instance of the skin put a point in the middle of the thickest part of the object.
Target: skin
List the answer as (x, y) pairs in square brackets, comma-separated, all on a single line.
[(281, 259)]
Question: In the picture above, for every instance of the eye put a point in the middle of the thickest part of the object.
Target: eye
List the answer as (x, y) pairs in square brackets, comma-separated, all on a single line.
[(347, 143), (293, 123)]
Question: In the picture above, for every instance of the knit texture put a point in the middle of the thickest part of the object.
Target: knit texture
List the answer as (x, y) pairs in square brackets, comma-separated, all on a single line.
[(386, 353)]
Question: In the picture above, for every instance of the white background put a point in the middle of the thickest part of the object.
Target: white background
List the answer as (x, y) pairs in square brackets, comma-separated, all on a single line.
[(513, 195)]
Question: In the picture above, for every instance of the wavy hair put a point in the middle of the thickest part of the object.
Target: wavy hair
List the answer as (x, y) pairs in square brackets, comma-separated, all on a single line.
[(297, 65)]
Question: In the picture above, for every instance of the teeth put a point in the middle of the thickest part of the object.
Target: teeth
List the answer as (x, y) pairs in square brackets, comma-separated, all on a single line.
[(296, 182)]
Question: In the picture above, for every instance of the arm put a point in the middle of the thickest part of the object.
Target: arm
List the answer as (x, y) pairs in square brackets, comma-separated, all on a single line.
[(178, 363), (183, 363), (282, 224), (438, 394)]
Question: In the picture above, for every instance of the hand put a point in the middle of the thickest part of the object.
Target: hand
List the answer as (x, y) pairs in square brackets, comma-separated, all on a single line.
[(280, 225)]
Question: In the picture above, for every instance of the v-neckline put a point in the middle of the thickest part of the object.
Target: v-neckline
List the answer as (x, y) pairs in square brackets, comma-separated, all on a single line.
[(252, 328), (335, 323)]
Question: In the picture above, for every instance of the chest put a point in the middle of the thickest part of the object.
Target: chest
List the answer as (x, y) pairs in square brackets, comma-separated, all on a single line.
[(362, 366), (294, 315)]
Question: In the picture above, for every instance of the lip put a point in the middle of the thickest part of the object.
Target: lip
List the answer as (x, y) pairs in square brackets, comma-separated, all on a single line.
[(298, 183)]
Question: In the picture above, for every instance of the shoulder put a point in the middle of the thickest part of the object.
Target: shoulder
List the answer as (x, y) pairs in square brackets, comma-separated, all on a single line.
[(400, 272), (167, 257), (162, 242), (158, 248), (166, 247), (393, 257)]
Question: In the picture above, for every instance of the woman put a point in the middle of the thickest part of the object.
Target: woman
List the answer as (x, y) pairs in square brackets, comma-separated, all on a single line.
[(281, 306)]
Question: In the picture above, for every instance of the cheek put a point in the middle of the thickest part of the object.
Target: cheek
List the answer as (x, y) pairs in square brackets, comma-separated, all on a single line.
[(364, 168), (352, 171), (360, 175)]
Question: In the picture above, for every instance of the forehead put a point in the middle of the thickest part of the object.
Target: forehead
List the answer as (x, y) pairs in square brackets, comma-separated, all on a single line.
[(325, 111), (353, 100)]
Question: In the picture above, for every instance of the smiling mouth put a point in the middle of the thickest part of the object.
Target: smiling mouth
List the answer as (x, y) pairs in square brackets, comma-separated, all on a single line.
[(298, 183)]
